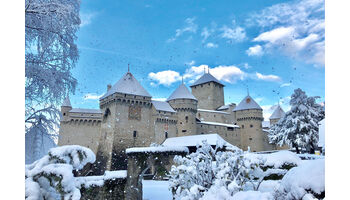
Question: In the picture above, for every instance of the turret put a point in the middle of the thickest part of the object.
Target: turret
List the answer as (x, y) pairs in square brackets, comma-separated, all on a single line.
[(209, 91), (249, 117), (65, 108), (277, 114), (185, 104)]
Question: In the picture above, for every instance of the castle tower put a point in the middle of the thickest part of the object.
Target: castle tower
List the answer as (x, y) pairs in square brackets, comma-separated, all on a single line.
[(127, 114), (185, 104), (277, 114), (249, 117), (209, 91), (65, 108)]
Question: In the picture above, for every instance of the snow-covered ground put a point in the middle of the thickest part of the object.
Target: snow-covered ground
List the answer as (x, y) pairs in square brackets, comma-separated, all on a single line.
[(156, 190)]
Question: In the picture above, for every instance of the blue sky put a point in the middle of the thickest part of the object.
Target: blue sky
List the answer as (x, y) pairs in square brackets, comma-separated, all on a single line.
[(270, 47)]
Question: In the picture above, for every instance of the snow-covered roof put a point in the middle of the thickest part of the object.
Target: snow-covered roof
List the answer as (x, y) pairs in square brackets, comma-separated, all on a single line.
[(127, 85), (224, 107), (85, 110), (206, 78), (162, 106), (193, 140), (278, 113), (178, 148), (218, 124), (265, 124), (66, 102), (212, 111), (181, 93), (247, 103)]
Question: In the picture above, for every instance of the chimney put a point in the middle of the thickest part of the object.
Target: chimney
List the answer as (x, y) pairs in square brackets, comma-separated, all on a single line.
[(109, 86)]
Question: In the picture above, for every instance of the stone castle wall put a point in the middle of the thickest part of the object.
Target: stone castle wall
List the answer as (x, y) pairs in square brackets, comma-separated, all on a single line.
[(210, 95), (186, 116)]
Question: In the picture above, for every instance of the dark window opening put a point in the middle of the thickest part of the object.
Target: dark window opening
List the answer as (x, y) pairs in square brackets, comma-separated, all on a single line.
[(64, 114), (186, 119), (242, 126), (230, 128), (251, 126), (166, 134), (250, 138), (135, 134), (184, 131), (202, 133)]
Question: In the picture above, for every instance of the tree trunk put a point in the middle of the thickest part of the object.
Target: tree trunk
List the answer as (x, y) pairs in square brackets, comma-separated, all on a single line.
[(296, 147), (312, 149)]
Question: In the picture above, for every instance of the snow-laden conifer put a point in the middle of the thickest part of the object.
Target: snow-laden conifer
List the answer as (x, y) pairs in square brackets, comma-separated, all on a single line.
[(299, 126)]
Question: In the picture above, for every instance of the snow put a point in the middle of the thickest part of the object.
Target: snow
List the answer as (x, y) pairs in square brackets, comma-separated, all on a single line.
[(127, 85), (37, 144), (281, 157), (181, 93), (156, 190), (218, 124), (88, 181), (321, 133), (224, 107), (309, 175), (265, 124), (194, 140), (278, 113), (85, 110), (206, 78), (252, 195), (157, 149), (213, 111), (247, 103), (66, 102), (162, 106), (269, 185)]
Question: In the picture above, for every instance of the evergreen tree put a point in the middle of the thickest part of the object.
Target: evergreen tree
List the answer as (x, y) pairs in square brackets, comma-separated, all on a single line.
[(299, 126)]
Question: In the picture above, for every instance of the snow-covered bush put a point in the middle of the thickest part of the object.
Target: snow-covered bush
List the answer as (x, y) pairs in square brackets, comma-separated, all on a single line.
[(299, 126), (207, 171), (51, 177), (306, 180)]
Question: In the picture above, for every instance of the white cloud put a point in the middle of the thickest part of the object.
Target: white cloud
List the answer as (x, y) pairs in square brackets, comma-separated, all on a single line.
[(211, 45), (296, 29), (166, 78), (91, 96), (190, 27), (270, 77), (86, 18), (191, 63), (228, 74), (275, 35), (235, 33), (255, 51), (285, 85)]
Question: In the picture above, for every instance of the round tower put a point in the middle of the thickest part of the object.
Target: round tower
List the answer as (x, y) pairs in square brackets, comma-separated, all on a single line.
[(185, 104), (277, 114), (65, 108), (249, 117), (209, 91)]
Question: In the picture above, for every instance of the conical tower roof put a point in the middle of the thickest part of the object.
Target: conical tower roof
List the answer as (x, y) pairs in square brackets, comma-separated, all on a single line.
[(278, 113), (181, 93), (127, 85), (66, 102), (247, 103), (206, 78)]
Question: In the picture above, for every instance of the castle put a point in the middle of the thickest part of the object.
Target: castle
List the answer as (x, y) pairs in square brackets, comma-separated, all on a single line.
[(128, 117)]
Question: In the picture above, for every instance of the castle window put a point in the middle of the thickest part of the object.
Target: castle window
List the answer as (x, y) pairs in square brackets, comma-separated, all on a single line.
[(184, 131), (242, 126), (251, 126), (186, 119), (250, 138), (230, 128), (64, 114), (135, 134), (166, 134), (214, 116), (202, 133)]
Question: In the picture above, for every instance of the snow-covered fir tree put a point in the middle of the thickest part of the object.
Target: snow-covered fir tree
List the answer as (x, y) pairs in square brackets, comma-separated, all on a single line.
[(50, 54), (299, 126), (51, 177)]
